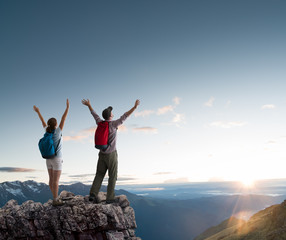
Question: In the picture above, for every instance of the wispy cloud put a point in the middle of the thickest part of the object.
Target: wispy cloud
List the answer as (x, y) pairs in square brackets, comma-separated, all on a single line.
[(81, 135), (223, 124), (164, 110), (144, 113), (161, 110), (268, 106), (146, 130), (178, 118), (210, 102), (13, 169)]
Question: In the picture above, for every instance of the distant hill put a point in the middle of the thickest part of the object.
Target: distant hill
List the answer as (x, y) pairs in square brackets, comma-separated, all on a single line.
[(157, 219), (229, 223), (268, 224)]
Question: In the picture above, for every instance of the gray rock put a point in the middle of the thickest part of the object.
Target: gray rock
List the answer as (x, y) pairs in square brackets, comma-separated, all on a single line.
[(78, 218)]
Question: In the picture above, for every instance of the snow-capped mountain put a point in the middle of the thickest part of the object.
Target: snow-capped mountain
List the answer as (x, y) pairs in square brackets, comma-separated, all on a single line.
[(39, 192), (23, 191)]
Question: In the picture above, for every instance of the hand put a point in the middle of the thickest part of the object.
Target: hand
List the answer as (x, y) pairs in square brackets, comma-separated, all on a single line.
[(85, 102), (137, 102), (68, 103), (36, 109)]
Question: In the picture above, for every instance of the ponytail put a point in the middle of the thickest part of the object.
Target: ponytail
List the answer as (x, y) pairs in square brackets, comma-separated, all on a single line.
[(52, 123)]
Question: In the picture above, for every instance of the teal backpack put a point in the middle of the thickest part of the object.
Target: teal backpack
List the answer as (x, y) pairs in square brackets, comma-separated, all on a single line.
[(47, 147)]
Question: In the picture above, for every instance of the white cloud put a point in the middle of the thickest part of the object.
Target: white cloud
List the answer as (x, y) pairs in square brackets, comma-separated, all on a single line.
[(177, 117), (210, 102), (160, 111), (165, 109), (223, 124), (268, 106)]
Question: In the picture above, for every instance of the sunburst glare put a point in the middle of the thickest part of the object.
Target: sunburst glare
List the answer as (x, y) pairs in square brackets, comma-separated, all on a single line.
[(248, 182)]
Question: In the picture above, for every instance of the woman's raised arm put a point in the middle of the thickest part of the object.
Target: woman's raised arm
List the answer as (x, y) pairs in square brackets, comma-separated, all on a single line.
[(61, 126), (40, 116)]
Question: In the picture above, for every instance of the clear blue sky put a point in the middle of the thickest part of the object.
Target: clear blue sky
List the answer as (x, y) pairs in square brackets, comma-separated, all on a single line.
[(210, 75)]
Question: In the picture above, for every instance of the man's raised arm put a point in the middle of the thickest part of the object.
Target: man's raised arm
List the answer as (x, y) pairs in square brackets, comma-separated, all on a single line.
[(87, 103), (128, 113)]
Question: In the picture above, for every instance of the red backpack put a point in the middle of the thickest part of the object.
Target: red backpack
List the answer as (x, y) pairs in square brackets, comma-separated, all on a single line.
[(101, 135)]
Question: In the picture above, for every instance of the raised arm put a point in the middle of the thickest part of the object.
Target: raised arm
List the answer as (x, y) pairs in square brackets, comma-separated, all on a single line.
[(62, 123), (87, 103), (40, 116), (128, 113)]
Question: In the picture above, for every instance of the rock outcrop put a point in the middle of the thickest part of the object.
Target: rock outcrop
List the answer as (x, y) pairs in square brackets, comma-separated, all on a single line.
[(76, 219)]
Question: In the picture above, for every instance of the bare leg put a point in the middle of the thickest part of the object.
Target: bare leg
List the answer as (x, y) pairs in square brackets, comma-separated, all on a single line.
[(55, 183), (50, 171)]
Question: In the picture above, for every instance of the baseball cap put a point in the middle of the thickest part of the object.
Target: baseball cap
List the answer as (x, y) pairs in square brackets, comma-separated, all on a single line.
[(106, 113)]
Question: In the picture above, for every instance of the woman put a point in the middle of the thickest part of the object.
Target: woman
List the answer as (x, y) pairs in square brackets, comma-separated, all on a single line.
[(54, 165)]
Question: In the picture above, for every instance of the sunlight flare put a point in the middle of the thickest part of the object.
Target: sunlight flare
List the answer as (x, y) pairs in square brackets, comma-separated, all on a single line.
[(248, 182)]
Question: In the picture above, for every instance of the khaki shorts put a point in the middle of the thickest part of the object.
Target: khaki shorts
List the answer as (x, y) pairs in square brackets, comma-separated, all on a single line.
[(55, 163)]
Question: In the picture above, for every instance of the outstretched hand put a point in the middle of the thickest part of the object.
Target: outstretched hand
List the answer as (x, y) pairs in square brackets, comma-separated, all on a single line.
[(36, 109), (68, 103), (85, 102), (137, 102)]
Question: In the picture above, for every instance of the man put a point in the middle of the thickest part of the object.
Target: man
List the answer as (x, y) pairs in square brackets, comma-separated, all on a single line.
[(107, 159)]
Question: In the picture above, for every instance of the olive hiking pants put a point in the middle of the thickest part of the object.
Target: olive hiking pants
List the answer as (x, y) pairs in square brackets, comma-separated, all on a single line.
[(105, 162)]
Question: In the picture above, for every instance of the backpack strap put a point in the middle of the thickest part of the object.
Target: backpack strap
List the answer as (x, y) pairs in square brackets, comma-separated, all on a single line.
[(57, 146)]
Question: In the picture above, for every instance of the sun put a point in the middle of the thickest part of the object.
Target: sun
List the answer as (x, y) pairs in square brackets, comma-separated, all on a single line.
[(248, 182)]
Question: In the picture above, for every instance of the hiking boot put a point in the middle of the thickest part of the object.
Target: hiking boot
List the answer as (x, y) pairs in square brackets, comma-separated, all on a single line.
[(93, 199), (58, 202), (110, 201)]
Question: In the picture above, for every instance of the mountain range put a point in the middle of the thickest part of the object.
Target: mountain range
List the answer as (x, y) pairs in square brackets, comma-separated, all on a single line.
[(157, 218)]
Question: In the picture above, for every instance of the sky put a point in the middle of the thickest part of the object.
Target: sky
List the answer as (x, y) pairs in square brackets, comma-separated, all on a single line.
[(210, 75)]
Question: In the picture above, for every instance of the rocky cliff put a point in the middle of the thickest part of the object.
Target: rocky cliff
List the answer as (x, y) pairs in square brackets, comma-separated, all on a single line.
[(76, 219), (268, 224)]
